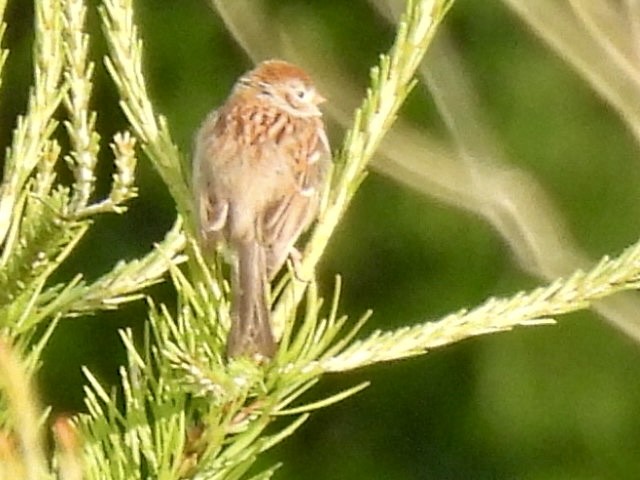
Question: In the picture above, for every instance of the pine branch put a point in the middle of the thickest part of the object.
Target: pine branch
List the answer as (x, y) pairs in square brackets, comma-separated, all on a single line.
[(41, 221), (37, 125), (124, 283), (576, 292), (125, 66)]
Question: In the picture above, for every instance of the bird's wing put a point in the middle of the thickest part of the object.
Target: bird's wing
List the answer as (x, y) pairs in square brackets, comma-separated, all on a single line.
[(288, 217)]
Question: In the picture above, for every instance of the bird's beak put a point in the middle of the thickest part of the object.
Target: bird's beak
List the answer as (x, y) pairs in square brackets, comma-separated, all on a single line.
[(318, 99)]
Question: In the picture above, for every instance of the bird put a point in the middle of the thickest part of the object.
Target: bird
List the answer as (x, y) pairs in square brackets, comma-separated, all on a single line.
[(260, 164)]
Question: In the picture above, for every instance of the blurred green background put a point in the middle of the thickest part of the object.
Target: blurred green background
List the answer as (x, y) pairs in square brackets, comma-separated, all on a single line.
[(546, 403)]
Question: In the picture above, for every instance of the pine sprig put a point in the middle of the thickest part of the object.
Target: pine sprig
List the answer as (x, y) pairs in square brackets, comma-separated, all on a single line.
[(45, 241), (41, 220), (125, 66), (221, 415), (537, 307), (122, 185), (81, 124), (37, 125), (124, 283)]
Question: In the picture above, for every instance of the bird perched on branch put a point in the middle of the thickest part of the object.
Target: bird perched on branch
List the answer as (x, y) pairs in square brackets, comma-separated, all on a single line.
[(260, 163)]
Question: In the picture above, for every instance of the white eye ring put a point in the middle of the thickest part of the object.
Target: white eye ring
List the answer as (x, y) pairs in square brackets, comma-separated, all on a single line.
[(302, 93)]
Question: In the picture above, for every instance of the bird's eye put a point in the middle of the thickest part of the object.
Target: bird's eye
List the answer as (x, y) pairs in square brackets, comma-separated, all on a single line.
[(301, 93)]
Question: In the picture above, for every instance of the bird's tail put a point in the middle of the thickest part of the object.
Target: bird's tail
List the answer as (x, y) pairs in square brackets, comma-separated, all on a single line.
[(250, 334)]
